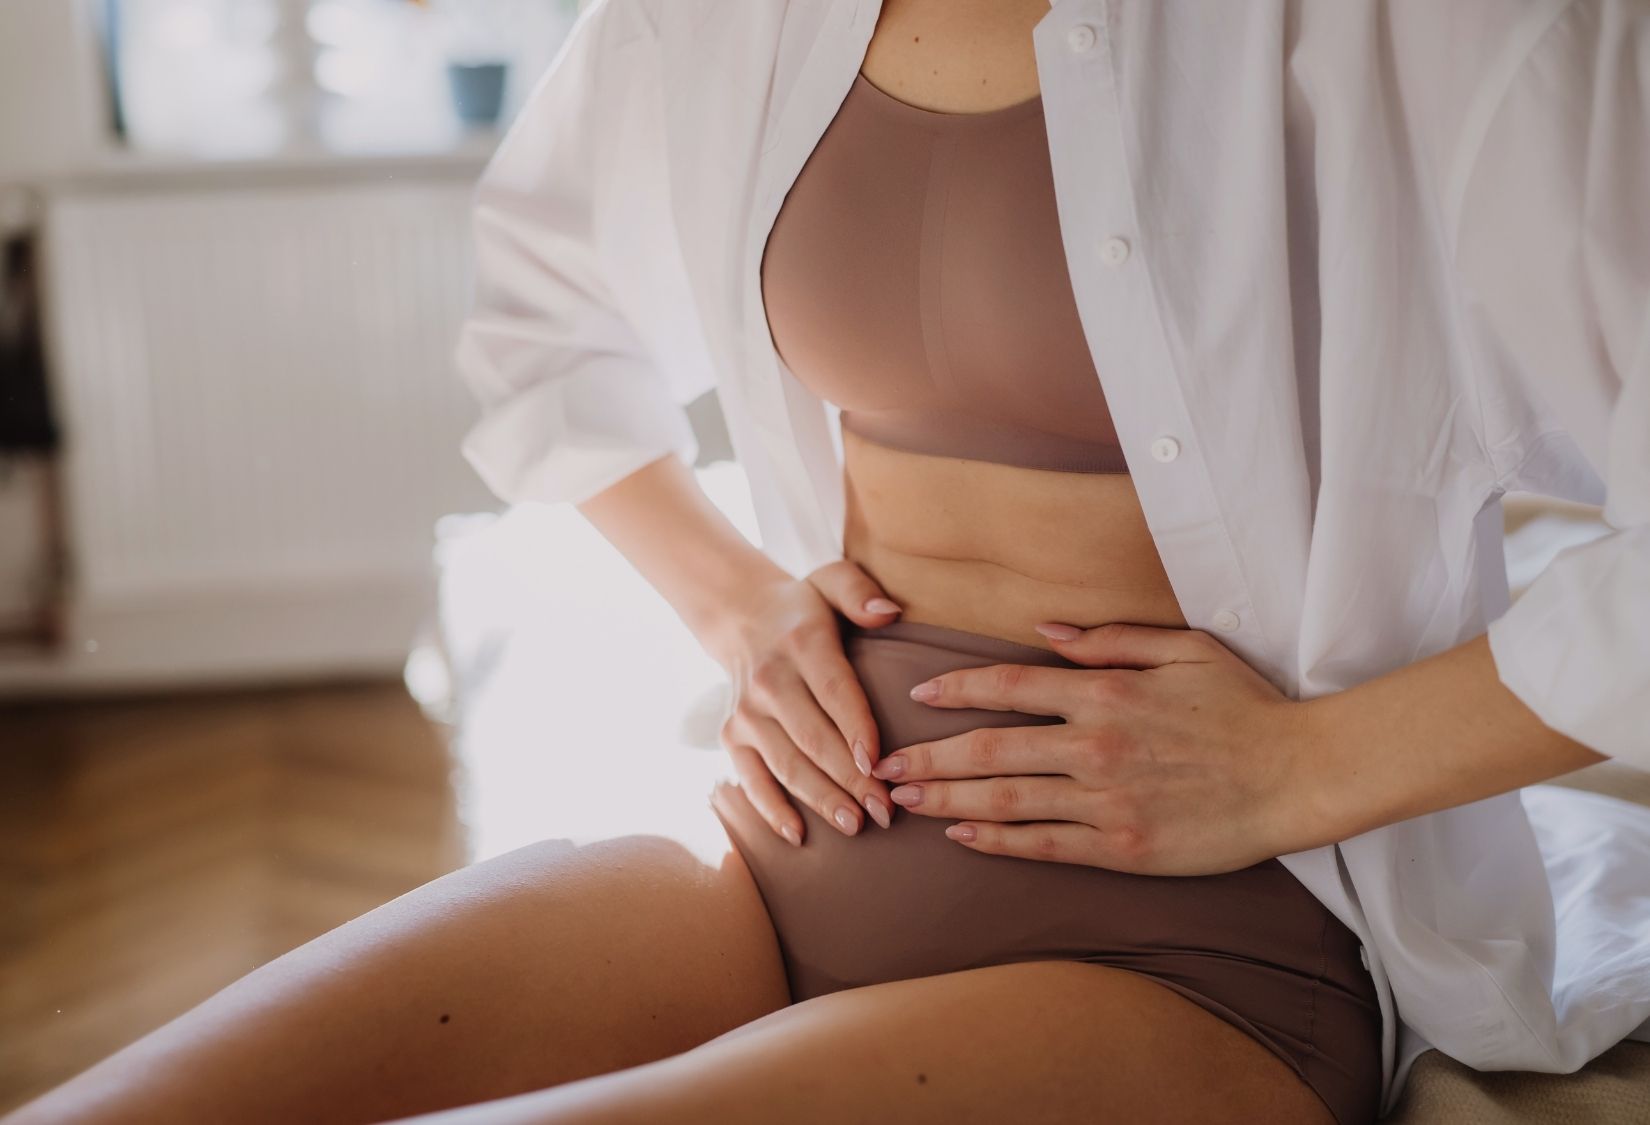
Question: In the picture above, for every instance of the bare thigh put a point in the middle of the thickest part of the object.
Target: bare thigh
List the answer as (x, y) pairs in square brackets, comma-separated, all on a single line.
[(1032, 1042), (549, 964)]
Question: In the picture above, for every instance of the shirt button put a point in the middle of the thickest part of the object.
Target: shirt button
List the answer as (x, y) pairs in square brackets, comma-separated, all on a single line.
[(1080, 38), (1165, 449), (1225, 620), (1114, 251)]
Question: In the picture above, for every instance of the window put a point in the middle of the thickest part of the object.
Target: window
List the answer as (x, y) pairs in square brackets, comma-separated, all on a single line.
[(225, 79)]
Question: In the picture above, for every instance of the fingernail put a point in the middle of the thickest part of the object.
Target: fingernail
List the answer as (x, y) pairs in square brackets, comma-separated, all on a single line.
[(849, 822), (861, 758), (790, 833), (925, 691), (878, 811), (906, 794), (890, 767), (1056, 632), (963, 832), (880, 605)]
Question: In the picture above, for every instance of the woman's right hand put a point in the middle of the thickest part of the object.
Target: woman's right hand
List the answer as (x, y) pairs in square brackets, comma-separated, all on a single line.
[(800, 721)]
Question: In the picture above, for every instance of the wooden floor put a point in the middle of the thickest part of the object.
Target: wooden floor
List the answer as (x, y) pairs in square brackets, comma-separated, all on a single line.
[(153, 851)]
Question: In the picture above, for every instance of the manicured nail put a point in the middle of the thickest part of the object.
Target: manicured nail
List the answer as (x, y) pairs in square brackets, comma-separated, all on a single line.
[(861, 758), (906, 795), (849, 822), (790, 833), (880, 605), (890, 767), (1056, 632), (963, 832), (878, 811), (925, 691)]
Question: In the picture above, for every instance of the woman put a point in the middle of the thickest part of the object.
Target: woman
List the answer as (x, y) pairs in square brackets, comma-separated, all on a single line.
[(1067, 462)]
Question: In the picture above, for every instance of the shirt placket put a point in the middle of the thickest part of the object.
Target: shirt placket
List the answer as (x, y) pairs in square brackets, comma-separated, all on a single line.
[(1109, 258)]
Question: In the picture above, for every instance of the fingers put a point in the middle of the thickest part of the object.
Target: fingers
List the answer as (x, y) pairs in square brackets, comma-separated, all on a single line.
[(813, 732), (1049, 841), (997, 798), (991, 752), (800, 777), (853, 593), (795, 771), (1032, 689), (765, 794), (1121, 645), (836, 687)]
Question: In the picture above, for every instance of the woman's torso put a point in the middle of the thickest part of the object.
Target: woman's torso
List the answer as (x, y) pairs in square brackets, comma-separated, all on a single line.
[(982, 545)]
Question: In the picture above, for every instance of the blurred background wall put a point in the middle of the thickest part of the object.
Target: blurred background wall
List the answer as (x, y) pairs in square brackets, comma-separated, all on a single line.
[(248, 239), (49, 89)]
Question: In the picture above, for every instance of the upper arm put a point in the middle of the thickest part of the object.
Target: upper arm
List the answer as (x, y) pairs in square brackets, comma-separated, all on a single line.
[(574, 345), (1552, 251), (1551, 244)]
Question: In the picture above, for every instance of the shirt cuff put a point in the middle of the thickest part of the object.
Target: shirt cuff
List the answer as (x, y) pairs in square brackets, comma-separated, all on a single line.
[(568, 438), (1576, 646)]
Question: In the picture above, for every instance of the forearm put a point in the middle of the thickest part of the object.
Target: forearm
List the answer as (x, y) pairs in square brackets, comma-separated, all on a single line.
[(1438, 733), (683, 545)]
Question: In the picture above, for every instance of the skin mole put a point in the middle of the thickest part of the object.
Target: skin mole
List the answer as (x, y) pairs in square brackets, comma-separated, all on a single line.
[(922, 1079), (445, 1018)]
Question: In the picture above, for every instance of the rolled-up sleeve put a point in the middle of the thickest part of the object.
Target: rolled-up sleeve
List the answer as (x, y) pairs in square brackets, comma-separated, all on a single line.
[(1553, 249), (573, 396)]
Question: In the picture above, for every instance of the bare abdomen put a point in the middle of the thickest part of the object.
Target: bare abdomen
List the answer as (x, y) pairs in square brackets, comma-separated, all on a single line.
[(994, 549)]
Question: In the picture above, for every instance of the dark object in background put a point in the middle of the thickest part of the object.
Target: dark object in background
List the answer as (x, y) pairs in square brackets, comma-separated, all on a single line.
[(26, 423), (478, 90), (29, 441)]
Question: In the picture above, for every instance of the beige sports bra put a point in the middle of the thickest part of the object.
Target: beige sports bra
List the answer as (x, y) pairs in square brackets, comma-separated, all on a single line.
[(916, 278)]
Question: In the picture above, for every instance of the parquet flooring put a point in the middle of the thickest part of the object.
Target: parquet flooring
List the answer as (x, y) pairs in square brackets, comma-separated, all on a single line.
[(152, 851)]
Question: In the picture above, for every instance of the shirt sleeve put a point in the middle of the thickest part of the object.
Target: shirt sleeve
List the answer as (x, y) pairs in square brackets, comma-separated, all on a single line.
[(1553, 250), (573, 395)]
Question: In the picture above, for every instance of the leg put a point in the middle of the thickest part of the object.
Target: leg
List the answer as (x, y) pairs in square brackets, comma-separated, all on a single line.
[(549, 964), (1038, 1041)]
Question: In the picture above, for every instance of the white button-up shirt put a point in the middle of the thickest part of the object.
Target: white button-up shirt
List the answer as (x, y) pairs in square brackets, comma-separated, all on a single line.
[(1349, 272)]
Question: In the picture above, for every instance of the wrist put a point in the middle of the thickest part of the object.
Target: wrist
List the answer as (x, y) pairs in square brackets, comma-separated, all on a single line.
[(718, 608), (1332, 791)]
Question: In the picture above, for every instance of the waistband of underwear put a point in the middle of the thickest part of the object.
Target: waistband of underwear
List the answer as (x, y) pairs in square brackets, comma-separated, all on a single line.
[(959, 641)]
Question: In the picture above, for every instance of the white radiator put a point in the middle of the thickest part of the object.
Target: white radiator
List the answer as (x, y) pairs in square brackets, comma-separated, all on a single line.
[(262, 422)]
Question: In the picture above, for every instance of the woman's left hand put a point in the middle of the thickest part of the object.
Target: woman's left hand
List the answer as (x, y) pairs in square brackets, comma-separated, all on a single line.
[(1175, 757)]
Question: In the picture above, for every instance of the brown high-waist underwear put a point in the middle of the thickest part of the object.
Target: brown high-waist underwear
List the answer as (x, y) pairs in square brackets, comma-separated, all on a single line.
[(1254, 946)]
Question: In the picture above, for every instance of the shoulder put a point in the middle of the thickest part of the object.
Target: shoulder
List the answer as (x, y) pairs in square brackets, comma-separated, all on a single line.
[(1474, 73), (1561, 127), (1544, 212), (670, 54), (1451, 64), (699, 23), (687, 50)]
